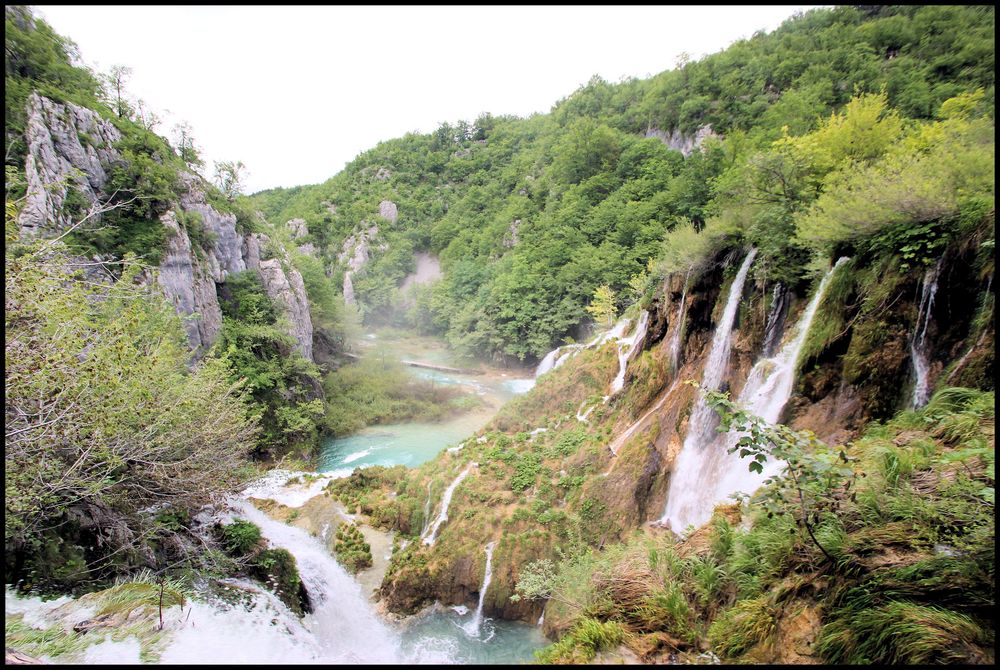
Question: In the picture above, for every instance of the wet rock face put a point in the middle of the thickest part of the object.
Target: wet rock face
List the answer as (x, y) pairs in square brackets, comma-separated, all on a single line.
[(68, 147)]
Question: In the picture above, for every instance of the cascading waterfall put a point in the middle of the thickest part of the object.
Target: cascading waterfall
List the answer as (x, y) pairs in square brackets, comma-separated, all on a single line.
[(675, 340), (775, 320), (626, 349), (343, 627), (547, 363), (918, 340), (472, 628), (694, 492), (703, 419), (445, 501)]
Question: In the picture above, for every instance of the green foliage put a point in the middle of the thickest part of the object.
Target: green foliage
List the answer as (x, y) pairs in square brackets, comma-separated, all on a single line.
[(351, 549), (901, 633), (240, 537), (277, 568), (104, 369), (262, 355), (376, 390), (583, 642), (739, 628)]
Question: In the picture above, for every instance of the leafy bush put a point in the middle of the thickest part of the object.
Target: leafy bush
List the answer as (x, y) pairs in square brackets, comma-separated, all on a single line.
[(240, 537)]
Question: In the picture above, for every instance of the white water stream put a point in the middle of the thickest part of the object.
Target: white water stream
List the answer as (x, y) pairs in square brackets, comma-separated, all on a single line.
[(919, 354), (706, 474), (431, 533), (703, 420), (473, 626)]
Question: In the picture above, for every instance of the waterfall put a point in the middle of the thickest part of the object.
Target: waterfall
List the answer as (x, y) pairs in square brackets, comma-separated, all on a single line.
[(716, 475), (626, 349), (775, 320), (343, 627), (472, 628), (918, 340), (547, 363), (703, 419), (445, 501), (675, 340)]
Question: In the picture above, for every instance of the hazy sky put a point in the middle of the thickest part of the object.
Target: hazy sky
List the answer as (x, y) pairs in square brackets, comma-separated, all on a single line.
[(297, 92)]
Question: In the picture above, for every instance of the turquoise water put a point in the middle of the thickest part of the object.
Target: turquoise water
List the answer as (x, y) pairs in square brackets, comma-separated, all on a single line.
[(499, 641), (411, 444), (437, 634), (408, 444)]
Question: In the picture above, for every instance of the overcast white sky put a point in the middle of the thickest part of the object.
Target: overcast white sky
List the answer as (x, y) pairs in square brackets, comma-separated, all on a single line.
[(297, 92)]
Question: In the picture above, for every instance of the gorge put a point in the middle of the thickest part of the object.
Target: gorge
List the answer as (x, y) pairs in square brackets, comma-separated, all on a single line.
[(691, 368)]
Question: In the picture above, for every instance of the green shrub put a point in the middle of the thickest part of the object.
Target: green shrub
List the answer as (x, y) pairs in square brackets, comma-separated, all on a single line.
[(240, 537)]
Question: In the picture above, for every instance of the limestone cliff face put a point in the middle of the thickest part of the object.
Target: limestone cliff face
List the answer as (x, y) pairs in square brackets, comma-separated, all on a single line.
[(284, 285), (683, 142), (73, 147), (68, 147), (354, 254)]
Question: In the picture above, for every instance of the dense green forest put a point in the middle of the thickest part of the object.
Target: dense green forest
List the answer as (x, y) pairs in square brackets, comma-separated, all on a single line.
[(530, 216)]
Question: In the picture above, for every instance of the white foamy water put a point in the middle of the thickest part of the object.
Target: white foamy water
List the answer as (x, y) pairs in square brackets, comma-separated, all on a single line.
[(627, 351), (445, 502), (273, 486), (358, 454), (473, 627), (719, 474), (703, 419), (919, 353)]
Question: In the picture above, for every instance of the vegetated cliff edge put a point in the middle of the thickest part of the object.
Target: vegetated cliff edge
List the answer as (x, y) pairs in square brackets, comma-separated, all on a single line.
[(71, 154)]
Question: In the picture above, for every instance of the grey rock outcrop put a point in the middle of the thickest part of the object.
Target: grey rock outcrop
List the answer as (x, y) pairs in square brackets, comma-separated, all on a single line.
[(355, 253), (189, 287), (68, 146), (285, 287), (298, 227), (387, 210), (683, 142)]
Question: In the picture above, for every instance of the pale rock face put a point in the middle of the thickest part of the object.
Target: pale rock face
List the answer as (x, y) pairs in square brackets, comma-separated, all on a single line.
[(63, 139), (682, 142), (387, 210), (298, 227), (355, 253), (307, 249), (67, 142), (189, 287), (510, 240), (289, 292)]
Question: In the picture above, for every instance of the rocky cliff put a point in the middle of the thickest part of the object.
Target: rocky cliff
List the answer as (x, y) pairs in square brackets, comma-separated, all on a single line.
[(72, 149)]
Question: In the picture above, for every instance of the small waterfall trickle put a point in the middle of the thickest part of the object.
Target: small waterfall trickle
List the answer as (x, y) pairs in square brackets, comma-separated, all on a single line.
[(701, 425), (775, 320), (675, 340), (472, 628), (703, 419), (716, 474), (445, 501), (547, 363), (627, 349), (919, 354)]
